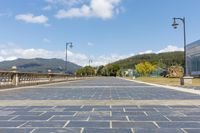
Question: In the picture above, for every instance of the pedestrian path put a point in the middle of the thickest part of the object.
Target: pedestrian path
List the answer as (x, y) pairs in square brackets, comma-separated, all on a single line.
[(99, 105)]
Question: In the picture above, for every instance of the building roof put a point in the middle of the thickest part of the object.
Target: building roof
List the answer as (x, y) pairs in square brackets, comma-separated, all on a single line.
[(194, 44)]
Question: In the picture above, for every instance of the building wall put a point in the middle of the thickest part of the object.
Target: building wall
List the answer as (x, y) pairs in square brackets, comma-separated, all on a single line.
[(193, 58)]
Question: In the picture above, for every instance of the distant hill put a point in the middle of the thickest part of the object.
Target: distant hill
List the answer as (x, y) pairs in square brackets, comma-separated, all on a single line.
[(163, 60), (39, 65)]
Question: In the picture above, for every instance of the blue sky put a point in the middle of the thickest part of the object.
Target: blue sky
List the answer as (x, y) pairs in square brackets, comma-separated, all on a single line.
[(103, 30)]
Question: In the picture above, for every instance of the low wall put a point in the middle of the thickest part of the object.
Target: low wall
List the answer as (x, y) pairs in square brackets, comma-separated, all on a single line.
[(14, 78)]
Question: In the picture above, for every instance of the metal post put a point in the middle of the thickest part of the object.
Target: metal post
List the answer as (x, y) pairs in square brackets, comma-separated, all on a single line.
[(66, 58), (185, 50), (185, 43), (67, 44), (90, 61), (186, 80)]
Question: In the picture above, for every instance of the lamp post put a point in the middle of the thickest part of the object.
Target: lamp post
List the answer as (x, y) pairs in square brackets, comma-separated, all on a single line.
[(186, 78), (90, 61), (68, 44)]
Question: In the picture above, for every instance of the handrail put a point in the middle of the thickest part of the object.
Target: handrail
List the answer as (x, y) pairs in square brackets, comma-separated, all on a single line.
[(15, 78)]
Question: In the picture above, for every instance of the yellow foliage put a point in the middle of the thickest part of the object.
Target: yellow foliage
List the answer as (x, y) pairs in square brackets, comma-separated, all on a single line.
[(145, 68)]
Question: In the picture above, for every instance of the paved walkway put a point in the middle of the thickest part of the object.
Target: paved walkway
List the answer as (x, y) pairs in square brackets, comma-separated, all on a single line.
[(100, 105)]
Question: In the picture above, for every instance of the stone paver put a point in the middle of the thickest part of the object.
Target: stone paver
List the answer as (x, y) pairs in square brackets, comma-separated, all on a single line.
[(99, 119), (97, 89)]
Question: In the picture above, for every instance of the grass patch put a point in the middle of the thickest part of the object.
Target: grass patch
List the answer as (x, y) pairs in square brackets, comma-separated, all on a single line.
[(167, 81)]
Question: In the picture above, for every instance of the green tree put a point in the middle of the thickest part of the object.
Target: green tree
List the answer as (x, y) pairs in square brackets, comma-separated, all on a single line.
[(100, 70), (111, 70), (86, 71), (145, 68)]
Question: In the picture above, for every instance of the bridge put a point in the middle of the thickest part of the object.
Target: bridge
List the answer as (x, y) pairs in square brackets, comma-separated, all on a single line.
[(98, 105)]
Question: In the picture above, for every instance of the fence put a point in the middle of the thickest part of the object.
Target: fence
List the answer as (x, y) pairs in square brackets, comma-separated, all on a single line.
[(15, 78)]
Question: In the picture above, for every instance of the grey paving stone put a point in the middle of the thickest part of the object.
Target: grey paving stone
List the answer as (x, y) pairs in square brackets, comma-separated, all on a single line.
[(154, 106), (161, 130), (62, 117), (58, 130), (90, 130), (128, 114), (58, 113), (187, 118), (192, 113), (17, 109), (45, 124), (44, 107), (15, 130), (48, 109), (88, 124), (125, 106), (3, 118), (179, 124), (147, 118), (27, 113), (10, 124), (81, 109), (69, 107), (5, 113), (170, 113), (192, 130), (113, 109), (112, 118), (122, 125), (183, 107), (104, 113), (97, 89), (143, 109), (29, 118)]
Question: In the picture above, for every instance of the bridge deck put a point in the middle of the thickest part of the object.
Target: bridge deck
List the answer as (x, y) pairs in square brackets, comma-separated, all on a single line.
[(100, 105)]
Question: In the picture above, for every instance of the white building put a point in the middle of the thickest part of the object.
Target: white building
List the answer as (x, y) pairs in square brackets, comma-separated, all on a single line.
[(193, 58)]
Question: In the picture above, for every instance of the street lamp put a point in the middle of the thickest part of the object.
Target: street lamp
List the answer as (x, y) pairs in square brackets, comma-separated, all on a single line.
[(175, 25), (90, 61), (68, 44)]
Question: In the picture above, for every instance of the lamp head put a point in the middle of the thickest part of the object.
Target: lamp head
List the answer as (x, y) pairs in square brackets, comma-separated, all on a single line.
[(71, 45), (175, 24)]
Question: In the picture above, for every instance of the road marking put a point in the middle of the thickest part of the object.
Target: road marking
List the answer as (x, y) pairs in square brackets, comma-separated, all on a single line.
[(111, 124), (156, 124), (132, 130), (66, 124), (127, 119)]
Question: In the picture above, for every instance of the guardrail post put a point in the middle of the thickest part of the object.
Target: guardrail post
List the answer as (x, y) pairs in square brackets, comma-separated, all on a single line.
[(15, 76)]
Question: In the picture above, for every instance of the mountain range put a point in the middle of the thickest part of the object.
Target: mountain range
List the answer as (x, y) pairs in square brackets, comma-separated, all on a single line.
[(162, 60), (39, 65)]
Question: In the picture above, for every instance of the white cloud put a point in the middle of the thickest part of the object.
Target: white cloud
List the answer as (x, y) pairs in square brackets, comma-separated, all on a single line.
[(11, 52), (170, 48), (63, 2), (46, 40), (106, 59), (47, 8), (146, 52), (104, 9), (30, 18)]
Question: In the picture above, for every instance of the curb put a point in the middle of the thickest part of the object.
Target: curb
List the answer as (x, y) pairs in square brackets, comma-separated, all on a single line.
[(167, 87)]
